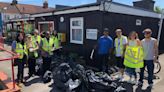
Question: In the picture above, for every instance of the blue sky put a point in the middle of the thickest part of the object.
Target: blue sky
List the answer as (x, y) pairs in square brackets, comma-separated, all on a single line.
[(77, 2)]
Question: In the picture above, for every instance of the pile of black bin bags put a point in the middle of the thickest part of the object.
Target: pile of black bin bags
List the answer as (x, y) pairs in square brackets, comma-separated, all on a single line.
[(71, 77)]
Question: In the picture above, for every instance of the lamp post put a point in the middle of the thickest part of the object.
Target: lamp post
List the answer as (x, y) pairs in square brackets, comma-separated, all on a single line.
[(160, 26)]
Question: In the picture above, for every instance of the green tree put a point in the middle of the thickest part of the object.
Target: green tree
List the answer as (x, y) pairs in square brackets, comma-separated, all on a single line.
[(157, 9)]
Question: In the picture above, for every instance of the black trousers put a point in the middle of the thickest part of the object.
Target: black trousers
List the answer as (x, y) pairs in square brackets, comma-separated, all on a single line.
[(31, 66), (103, 62), (150, 67), (46, 64), (20, 74)]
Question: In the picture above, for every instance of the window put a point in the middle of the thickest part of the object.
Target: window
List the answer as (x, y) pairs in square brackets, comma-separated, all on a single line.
[(46, 26), (76, 30)]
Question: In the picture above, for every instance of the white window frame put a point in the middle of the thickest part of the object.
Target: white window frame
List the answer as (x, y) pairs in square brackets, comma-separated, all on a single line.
[(77, 27), (46, 22)]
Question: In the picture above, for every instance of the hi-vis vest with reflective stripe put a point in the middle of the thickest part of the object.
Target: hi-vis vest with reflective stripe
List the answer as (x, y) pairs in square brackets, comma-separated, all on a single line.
[(19, 50), (37, 38), (56, 41), (134, 57), (34, 46), (120, 45), (48, 45)]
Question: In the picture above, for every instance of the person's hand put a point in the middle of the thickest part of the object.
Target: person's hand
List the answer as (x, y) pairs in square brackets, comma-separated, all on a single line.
[(155, 59), (18, 54)]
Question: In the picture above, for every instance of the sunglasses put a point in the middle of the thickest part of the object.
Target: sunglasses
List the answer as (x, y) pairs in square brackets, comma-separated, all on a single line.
[(147, 32)]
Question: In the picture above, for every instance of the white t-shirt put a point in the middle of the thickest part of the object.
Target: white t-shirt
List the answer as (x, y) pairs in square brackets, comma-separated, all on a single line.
[(124, 42)]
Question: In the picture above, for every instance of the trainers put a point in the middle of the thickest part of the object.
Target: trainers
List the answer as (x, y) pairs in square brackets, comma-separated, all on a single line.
[(133, 82)]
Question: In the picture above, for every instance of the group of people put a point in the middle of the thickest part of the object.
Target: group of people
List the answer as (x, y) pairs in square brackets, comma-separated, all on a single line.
[(130, 52), (32, 46)]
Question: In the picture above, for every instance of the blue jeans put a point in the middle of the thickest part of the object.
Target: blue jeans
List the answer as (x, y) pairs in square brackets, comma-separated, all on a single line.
[(103, 62), (131, 72), (150, 67)]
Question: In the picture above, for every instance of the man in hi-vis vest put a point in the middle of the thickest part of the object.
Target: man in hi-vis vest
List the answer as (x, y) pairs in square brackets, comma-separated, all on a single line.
[(120, 45), (46, 46)]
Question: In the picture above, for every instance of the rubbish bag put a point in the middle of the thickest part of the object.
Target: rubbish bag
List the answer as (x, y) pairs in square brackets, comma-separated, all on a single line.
[(120, 89), (61, 75), (47, 76), (100, 81)]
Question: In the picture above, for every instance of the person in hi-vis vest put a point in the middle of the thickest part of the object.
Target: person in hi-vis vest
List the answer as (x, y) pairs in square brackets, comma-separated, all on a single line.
[(19, 48), (32, 48), (46, 47), (120, 45), (57, 42), (133, 56)]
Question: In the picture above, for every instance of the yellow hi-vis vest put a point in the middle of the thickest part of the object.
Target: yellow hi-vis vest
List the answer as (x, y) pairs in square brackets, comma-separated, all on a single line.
[(34, 46), (134, 57), (48, 45), (56, 42), (37, 38), (119, 45), (19, 50)]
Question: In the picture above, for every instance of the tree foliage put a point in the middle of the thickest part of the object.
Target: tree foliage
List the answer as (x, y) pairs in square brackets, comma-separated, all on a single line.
[(157, 9)]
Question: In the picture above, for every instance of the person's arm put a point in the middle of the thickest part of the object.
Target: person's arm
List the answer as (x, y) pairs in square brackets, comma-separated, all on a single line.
[(125, 42), (111, 46), (36, 48), (13, 46), (138, 42), (156, 51)]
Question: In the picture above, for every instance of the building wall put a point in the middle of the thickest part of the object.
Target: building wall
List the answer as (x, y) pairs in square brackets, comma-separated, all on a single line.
[(128, 23), (92, 20), (100, 20)]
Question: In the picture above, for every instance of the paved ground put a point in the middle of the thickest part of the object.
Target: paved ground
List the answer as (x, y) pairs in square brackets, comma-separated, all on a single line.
[(35, 85)]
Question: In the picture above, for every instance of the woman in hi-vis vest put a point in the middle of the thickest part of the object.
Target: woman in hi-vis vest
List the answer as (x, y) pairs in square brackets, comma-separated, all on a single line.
[(18, 47), (32, 48), (133, 42)]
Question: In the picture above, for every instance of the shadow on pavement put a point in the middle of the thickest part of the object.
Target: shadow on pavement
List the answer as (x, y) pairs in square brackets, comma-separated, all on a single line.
[(139, 89), (128, 86), (32, 81)]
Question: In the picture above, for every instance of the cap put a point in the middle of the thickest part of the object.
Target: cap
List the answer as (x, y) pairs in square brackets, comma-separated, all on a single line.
[(47, 32), (36, 31), (28, 35), (106, 29), (147, 30), (118, 30)]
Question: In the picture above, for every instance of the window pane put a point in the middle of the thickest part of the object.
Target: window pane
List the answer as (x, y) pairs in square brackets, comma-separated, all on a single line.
[(76, 23), (77, 34), (44, 27)]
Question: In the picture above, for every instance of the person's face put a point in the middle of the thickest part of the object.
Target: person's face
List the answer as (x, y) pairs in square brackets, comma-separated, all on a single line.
[(118, 32), (20, 37), (106, 33), (55, 32), (133, 36), (35, 33), (47, 35), (147, 34)]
